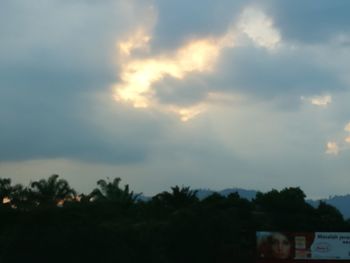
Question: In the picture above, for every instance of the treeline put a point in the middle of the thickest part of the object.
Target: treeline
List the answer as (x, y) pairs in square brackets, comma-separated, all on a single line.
[(48, 221)]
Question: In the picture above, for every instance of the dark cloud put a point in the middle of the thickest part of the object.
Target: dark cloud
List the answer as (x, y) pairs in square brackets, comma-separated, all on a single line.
[(284, 73), (54, 57), (182, 92), (57, 65), (299, 20), (182, 20), (307, 21), (55, 124)]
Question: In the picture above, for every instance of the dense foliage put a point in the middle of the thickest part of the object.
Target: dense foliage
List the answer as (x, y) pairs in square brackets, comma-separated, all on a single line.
[(48, 222)]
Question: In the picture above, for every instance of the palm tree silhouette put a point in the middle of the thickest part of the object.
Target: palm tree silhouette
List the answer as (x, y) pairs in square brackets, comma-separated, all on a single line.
[(51, 191), (179, 197), (111, 192)]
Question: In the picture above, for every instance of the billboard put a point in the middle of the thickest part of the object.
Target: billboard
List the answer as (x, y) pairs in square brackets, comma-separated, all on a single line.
[(303, 246)]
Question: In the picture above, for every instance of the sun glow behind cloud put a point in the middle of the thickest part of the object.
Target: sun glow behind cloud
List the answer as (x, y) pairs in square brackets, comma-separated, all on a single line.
[(140, 73)]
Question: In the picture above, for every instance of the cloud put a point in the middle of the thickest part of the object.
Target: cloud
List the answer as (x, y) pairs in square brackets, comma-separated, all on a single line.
[(56, 59), (243, 63), (303, 21), (321, 101), (336, 148), (139, 76), (332, 148), (267, 75), (179, 21), (259, 27), (165, 83), (138, 40)]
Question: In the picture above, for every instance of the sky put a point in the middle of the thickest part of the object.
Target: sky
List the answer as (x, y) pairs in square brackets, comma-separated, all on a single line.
[(206, 94)]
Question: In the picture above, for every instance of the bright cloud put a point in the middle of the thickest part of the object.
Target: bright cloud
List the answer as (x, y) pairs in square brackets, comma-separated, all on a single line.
[(138, 40), (138, 75), (321, 101), (332, 148), (259, 27)]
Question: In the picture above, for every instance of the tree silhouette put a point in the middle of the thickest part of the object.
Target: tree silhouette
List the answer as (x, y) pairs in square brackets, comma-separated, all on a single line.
[(51, 191), (291, 199), (329, 217), (174, 226), (111, 192), (285, 209), (178, 198)]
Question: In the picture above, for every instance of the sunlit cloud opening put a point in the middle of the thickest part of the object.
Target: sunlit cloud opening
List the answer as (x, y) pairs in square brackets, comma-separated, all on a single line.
[(259, 28), (347, 139), (321, 101), (332, 148), (139, 74)]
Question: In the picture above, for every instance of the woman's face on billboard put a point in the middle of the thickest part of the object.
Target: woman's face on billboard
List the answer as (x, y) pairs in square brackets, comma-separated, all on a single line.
[(280, 246)]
